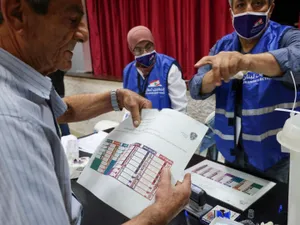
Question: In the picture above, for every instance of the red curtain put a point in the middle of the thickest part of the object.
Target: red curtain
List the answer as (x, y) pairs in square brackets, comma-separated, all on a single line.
[(183, 29)]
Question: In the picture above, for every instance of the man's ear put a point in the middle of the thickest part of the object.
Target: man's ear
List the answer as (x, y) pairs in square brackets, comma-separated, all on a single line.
[(272, 6), (13, 13)]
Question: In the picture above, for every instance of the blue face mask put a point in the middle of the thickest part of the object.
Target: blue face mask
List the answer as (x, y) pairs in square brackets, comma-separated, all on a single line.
[(250, 25), (146, 60)]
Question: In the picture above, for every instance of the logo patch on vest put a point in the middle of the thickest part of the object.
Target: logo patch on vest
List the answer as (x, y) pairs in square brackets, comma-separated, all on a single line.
[(193, 136), (155, 83), (251, 78), (155, 88)]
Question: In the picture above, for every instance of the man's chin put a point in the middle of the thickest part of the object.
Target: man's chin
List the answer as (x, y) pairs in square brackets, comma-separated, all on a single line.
[(67, 65)]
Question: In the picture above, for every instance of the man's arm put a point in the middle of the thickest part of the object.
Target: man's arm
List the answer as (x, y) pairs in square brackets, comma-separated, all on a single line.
[(273, 64), (177, 89), (169, 201), (277, 62), (200, 87), (87, 106), (288, 56)]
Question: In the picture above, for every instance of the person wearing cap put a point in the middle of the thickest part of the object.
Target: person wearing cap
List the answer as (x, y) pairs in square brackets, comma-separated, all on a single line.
[(246, 122), (153, 75)]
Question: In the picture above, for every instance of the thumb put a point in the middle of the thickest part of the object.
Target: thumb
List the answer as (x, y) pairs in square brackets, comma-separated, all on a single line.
[(187, 181)]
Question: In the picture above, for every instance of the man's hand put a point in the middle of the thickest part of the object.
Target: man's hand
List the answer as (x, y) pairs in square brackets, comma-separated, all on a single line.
[(134, 103), (171, 200), (224, 66), (87, 106)]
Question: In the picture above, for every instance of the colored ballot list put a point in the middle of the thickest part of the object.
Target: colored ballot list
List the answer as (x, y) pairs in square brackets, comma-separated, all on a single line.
[(235, 188), (127, 165), (136, 166)]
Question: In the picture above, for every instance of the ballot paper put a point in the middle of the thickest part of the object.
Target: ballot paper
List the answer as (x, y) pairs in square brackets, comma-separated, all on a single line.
[(90, 143), (231, 186), (125, 169)]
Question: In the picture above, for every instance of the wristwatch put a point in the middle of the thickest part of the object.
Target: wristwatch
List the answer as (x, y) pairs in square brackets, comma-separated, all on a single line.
[(114, 101)]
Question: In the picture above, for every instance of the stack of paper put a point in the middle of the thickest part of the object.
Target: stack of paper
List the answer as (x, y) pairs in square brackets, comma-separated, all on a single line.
[(90, 143)]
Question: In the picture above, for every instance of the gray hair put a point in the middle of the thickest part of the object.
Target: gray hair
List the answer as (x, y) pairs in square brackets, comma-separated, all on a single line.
[(39, 6), (231, 1)]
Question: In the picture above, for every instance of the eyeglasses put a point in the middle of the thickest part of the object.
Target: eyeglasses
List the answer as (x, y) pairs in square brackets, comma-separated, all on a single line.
[(149, 47)]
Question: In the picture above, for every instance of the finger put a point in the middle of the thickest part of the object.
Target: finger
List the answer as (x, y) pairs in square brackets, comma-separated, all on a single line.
[(218, 80), (134, 109), (187, 181), (204, 61), (224, 69), (214, 78), (165, 177), (216, 72), (234, 69), (143, 103), (146, 104)]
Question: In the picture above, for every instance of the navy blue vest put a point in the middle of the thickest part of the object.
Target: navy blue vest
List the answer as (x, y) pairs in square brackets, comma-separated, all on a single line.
[(155, 86), (260, 96)]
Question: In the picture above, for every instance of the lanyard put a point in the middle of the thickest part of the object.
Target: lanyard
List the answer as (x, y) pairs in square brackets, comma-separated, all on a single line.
[(142, 88)]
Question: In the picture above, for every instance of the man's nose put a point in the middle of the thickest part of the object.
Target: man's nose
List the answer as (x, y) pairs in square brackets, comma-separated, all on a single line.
[(78, 37), (144, 51), (249, 7), (82, 34)]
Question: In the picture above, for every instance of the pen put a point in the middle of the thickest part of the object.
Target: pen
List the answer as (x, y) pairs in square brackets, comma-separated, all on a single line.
[(187, 218)]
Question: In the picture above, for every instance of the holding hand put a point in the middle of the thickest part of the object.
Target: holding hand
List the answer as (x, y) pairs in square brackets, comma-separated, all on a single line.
[(134, 103), (224, 66), (171, 200)]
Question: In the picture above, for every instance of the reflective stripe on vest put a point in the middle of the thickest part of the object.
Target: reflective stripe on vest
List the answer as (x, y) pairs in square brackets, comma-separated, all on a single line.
[(258, 112), (226, 114), (248, 137), (225, 137), (266, 110), (259, 138)]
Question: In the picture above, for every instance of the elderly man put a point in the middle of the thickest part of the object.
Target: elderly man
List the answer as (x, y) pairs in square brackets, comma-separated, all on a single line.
[(266, 51), (36, 38)]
